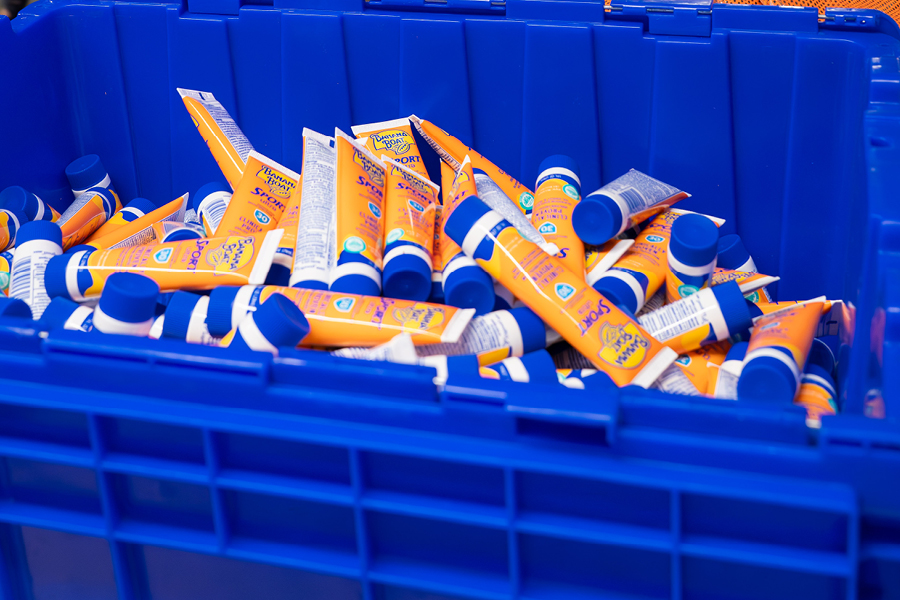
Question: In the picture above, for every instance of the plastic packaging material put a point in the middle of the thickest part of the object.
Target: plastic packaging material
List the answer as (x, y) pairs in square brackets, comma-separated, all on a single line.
[(453, 152), (343, 319), (228, 144), (85, 215), (451, 366), (817, 394), (193, 264), (534, 367), (408, 232), (621, 204), (13, 307), (691, 256), (62, 313), (259, 199), (185, 319), (599, 259), (280, 272), (711, 315), (6, 259), (140, 231), (210, 203), (556, 194), (88, 172), (173, 231), (496, 336), (127, 305), (400, 349), (613, 341), (777, 353), (394, 139), (724, 385), (20, 201), (277, 323), (132, 211), (733, 255), (465, 284), (312, 263), (38, 242)]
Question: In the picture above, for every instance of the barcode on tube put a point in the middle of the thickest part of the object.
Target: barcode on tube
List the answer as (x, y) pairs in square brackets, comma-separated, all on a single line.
[(216, 210), (672, 320), (20, 286), (633, 199)]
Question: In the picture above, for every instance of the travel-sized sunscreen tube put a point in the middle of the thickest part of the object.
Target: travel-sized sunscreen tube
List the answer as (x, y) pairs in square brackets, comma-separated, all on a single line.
[(38, 242), (173, 231), (817, 394), (750, 283), (556, 193), (465, 284), (13, 307), (491, 194), (210, 203), (6, 259), (394, 139), (127, 305), (132, 211), (408, 232), (280, 273), (85, 215), (711, 315), (277, 323), (691, 256), (9, 226), (400, 349), (724, 384), (312, 263), (185, 319), (674, 381), (359, 219), (259, 199), (228, 144), (192, 264), (621, 204), (698, 364), (19, 200), (140, 231), (88, 172), (733, 255), (777, 353), (495, 336), (613, 341), (534, 367), (65, 314), (447, 366), (453, 152), (343, 319), (599, 259)]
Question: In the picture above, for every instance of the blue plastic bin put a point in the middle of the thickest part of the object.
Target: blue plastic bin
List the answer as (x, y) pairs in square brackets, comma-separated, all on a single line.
[(135, 469)]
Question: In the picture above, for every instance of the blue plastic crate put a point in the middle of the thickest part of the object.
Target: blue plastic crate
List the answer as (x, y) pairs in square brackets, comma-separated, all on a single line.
[(134, 469)]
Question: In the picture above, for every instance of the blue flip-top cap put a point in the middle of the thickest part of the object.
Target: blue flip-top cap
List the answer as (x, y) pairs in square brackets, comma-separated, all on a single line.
[(534, 333), (464, 216), (597, 218), (731, 252), (278, 275), (733, 306), (540, 367), (355, 284), (470, 287), (737, 352), (218, 313), (142, 204), (694, 240), (408, 277), (206, 190), (821, 356), (281, 321), (618, 292), (554, 164), (818, 371), (39, 230), (85, 172), (109, 204), (744, 335), (129, 297), (55, 282), (57, 313), (182, 233), (767, 379), (18, 200), (178, 314), (14, 307)]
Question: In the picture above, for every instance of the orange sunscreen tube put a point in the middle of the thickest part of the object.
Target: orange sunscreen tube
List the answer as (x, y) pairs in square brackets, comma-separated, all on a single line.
[(599, 259), (259, 199), (691, 256), (85, 216), (453, 151), (557, 191), (696, 364), (6, 259), (199, 264), (750, 283), (393, 139), (140, 231), (614, 342), (491, 194), (723, 379), (358, 220), (338, 319), (312, 263), (409, 232), (284, 257), (817, 394), (134, 210), (777, 353), (228, 144), (9, 226)]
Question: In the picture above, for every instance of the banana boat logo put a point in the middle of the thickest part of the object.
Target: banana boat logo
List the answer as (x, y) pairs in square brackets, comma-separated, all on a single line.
[(235, 253), (395, 140), (279, 184), (419, 316), (373, 170), (624, 346)]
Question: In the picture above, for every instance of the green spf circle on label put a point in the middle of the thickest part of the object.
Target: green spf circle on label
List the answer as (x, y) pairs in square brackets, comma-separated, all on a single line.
[(394, 235), (570, 191), (753, 297), (354, 245), (526, 200), (687, 290)]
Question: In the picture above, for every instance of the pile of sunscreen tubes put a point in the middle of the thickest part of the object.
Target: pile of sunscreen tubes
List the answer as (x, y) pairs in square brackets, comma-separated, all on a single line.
[(366, 254)]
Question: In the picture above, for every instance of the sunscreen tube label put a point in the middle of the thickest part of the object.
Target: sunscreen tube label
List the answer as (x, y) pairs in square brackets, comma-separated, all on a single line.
[(640, 196), (674, 381), (228, 144), (492, 337), (817, 396), (689, 323), (122, 217), (27, 276), (599, 259), (9, 225), (394, 139), (259, 199), (724, 386), (493, 195), (359, 220), (453, 152), (460, 186), (752, 284), (6, 260), (399, 350), (786, 335), (200, 264), (613, 341), (140, 231), (211, 211), (682, 280), (554, 200), (409, 213), (317, 207), (85, 216), (338, 319), (288, 222)]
